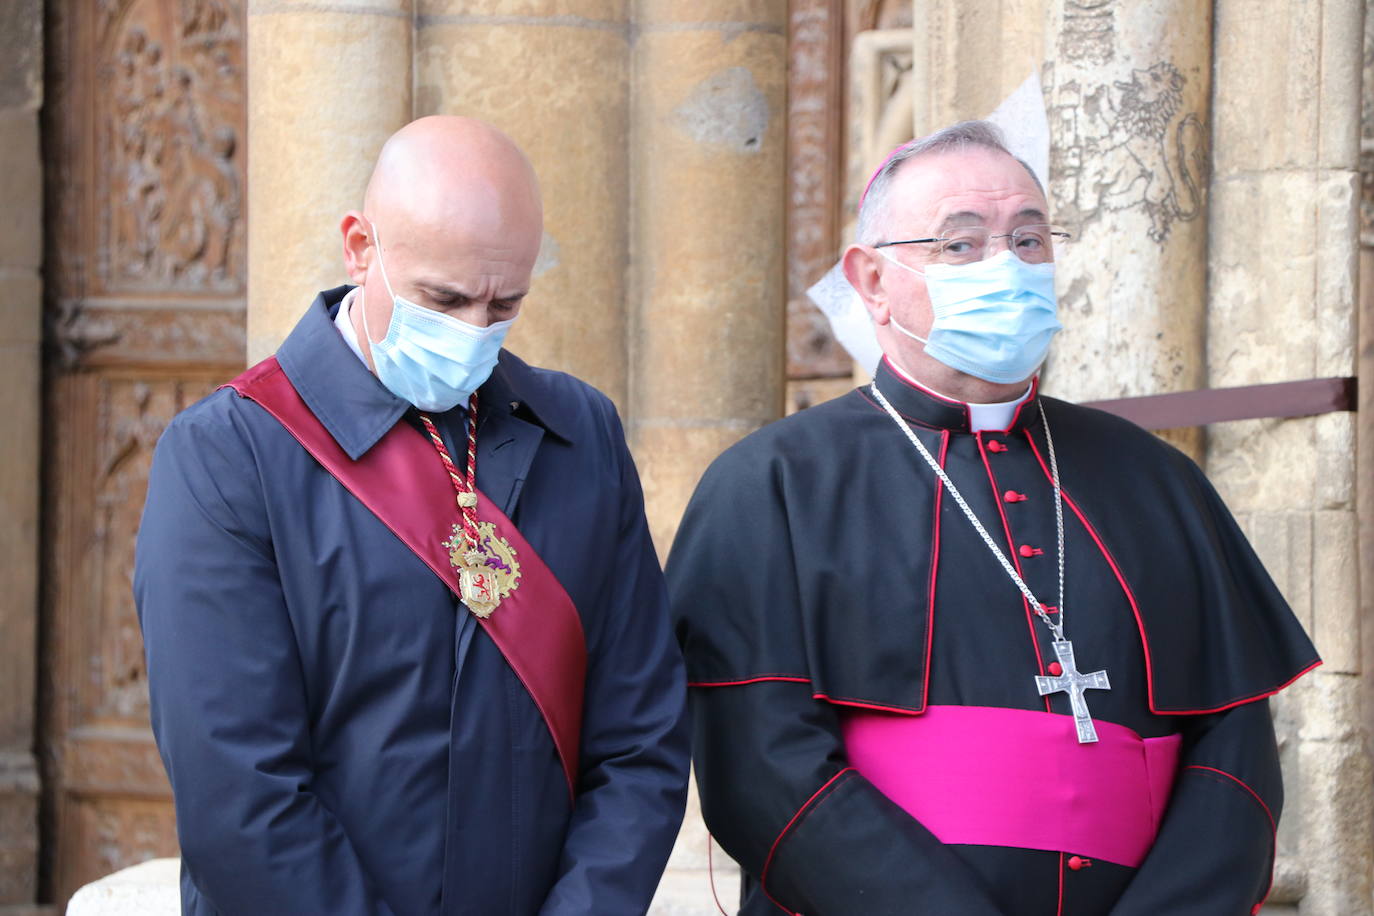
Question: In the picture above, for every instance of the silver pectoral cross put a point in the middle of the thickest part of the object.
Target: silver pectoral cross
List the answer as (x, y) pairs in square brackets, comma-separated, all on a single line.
[(1073, 683)]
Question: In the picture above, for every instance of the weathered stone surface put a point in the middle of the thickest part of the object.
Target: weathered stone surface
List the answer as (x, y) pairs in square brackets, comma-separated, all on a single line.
[(706, 265), (150, 889), (571, 117), (1271, 250), (21, 189), (953, 84), (1336, 814), (1283, 465), (574, 13), (1300, 64), (20, 379), (1129, 113), (326, 86), (21, 302), (1336, 591), (19, 842), (21, 56), (718, 15), (1328, 710)]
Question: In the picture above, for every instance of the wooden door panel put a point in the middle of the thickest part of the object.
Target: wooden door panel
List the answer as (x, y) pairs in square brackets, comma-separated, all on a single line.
[(144, 315)]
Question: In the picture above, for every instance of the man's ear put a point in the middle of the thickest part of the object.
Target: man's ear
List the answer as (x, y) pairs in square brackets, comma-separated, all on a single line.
[(357, 245), (862, 270)]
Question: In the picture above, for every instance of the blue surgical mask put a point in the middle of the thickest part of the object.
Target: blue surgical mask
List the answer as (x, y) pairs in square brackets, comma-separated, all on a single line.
[(432, 360), (993, 319)]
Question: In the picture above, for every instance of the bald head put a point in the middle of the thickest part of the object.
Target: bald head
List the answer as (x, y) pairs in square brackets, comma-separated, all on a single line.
[(451, 221), (452, 174)]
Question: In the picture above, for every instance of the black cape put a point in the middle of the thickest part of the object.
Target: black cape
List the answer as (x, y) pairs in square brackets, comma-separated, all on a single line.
[(821, 565)]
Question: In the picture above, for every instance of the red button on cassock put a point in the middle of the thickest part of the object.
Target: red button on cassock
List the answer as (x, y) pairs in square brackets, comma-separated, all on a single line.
[(1075, 863), (1055, 669), (995, 446), (1029, 551), (1012, 496)]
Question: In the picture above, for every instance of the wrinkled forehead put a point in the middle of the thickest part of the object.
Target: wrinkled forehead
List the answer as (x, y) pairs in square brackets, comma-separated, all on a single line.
[(975, 186), (435, 241)]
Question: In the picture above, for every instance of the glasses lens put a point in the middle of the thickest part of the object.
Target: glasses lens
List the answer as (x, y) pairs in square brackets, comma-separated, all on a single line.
[(964, 245), (1036, 244)]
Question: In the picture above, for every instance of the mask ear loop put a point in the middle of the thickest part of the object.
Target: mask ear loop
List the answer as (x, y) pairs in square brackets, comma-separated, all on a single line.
[(892, 319), (376, 243)]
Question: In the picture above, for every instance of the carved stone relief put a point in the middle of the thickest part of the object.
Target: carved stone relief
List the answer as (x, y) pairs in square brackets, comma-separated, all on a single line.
[(1128, 89), (814, 169), (1128, 144), (849, 95)]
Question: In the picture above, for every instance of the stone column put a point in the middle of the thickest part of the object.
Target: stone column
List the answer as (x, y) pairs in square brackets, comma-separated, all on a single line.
[(1285, 193), (1128, 87), (555, 77), (328, 82), (708, 126), (21, 302), (968, 57), (707, 288)]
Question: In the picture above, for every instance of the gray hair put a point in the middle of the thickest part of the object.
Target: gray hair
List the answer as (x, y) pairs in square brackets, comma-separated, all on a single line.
[(873, 208)]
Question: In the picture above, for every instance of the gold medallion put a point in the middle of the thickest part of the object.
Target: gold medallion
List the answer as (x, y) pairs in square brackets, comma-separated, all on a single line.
[(488, 571)]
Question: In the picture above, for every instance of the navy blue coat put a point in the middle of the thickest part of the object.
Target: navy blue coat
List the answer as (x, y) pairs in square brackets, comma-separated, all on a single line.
[(341, 737)]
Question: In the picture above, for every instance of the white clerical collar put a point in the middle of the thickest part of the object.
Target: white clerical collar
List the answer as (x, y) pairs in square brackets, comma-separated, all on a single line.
[(345, 324), (980, 416)]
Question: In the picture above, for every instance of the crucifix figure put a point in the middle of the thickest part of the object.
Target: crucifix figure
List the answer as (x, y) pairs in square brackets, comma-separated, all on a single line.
[(1073, 683)]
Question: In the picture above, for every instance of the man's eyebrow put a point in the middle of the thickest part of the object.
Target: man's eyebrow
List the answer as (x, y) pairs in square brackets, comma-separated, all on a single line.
[(440, 290), (1032, 213)]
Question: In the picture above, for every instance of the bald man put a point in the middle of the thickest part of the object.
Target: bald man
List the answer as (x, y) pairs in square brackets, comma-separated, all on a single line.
[(406, 632)]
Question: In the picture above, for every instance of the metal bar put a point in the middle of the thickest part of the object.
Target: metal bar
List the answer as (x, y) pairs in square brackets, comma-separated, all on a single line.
[(1251, 402)]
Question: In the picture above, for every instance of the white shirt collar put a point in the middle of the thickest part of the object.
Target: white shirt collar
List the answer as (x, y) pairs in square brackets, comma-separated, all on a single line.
[(980, 416), (344, 323)]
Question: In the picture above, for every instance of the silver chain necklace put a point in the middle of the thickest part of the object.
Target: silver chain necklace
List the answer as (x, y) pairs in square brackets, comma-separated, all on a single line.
[(1070, 681)]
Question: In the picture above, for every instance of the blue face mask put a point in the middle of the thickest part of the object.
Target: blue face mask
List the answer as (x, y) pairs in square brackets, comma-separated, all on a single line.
[(993, 319), (432, 360)]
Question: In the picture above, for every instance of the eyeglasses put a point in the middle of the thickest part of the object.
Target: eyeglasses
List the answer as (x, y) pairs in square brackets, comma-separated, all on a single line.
[(1034, 244)]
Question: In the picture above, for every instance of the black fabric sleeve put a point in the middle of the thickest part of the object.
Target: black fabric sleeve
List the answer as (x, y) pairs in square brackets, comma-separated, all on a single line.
[(1214, 855), (775, 784), (778, 795)]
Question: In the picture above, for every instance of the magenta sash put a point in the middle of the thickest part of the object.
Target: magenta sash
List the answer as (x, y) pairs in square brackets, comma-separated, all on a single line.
[(1011, 777), (402, 481)]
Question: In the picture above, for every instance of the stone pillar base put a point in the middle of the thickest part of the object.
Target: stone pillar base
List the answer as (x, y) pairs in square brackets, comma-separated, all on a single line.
[(150, 889)]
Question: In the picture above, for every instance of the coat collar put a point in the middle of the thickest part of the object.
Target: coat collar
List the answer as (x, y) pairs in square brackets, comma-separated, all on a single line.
[(926, 408), (357, 408)]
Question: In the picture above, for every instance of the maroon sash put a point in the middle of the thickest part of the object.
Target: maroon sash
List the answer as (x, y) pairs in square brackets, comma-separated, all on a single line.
[(402, 481)]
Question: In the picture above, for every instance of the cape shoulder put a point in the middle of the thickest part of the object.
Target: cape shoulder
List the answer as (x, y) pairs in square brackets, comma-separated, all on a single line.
[(753, 599)]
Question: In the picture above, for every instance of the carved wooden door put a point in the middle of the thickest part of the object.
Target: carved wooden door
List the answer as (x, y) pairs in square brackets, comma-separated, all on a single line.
[(143, 133)]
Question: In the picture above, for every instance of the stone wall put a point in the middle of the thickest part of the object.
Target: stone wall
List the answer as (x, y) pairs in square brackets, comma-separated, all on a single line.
[(21, 245), (1282, 305)]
